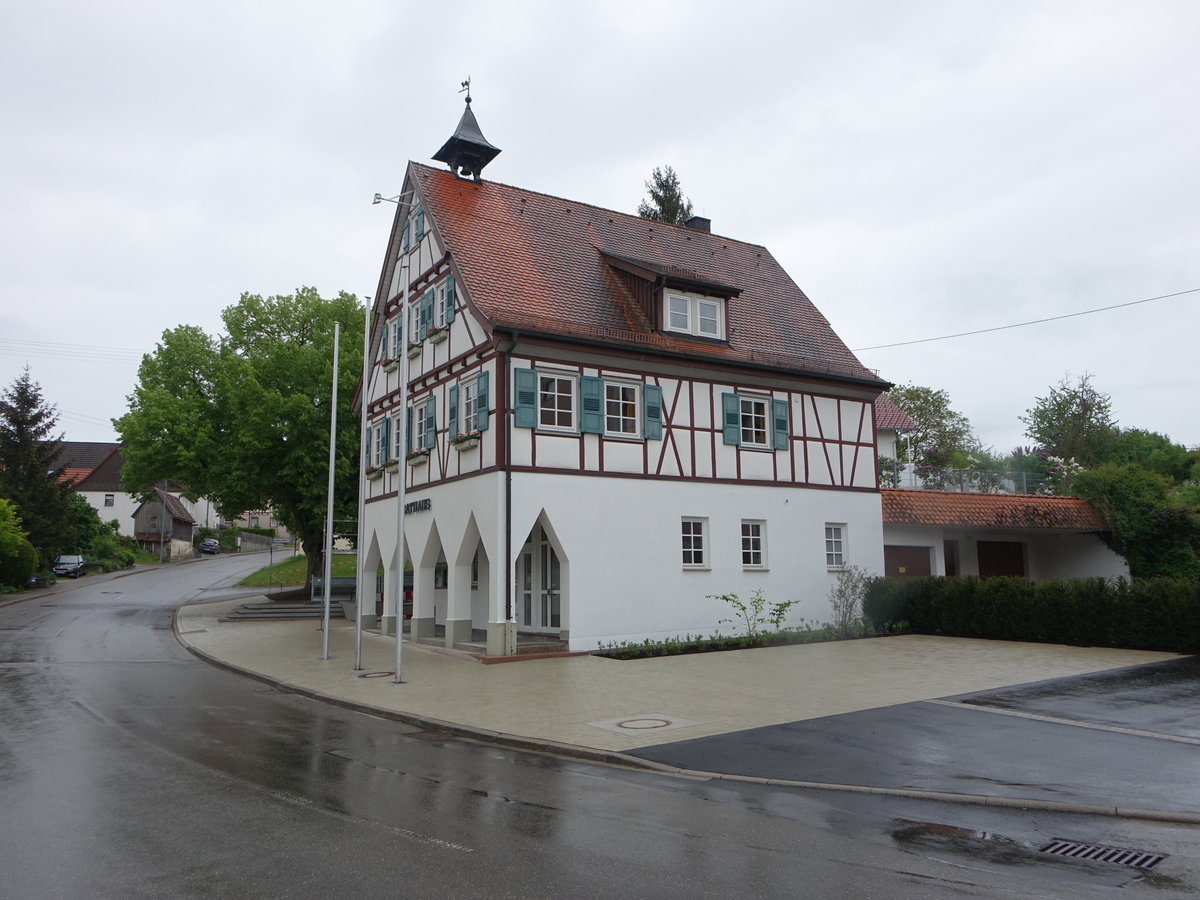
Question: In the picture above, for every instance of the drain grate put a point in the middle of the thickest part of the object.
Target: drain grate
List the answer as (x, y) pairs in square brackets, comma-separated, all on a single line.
[(1138, 859)]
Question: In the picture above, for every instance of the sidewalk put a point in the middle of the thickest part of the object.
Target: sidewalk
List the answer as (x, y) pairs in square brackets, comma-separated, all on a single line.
[(590, 703)]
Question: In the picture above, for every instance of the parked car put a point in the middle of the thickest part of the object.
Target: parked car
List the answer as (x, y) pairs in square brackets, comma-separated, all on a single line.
[(210, 545), (71, 566), (39, 579)]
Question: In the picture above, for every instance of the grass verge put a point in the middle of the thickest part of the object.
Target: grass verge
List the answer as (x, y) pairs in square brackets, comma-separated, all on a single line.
[(292, 571)]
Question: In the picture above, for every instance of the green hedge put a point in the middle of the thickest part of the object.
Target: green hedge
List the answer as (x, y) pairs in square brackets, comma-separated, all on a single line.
[(1138, 614)]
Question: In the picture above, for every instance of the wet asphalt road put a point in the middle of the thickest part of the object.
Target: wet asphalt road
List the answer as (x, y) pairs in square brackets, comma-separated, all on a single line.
[(130, 769), (1129, 737)]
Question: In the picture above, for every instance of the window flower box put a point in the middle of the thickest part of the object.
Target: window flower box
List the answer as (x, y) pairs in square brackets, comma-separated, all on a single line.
[(467, 440), (417, 458), (437, 335), (374, 472), (414, 350), (389, 363), (391, 464)]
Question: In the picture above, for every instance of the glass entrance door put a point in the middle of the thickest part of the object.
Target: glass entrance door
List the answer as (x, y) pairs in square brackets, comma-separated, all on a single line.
[(539, 585)]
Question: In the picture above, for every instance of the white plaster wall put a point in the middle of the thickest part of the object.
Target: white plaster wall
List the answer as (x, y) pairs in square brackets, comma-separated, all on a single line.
[(621, 539), (122, 509), (1073, 556)]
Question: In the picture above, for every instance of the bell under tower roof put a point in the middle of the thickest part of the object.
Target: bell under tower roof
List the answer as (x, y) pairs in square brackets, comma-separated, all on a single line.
[(467, 151)]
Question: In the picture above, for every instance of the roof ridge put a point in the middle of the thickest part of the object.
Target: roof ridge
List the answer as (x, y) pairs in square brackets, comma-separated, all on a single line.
[(604, 209)]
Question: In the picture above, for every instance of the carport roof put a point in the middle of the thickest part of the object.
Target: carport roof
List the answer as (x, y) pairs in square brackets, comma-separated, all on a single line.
[(989, 510)]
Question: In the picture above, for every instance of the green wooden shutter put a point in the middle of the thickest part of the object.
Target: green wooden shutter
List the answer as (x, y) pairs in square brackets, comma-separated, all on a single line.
[(525, 398), (591, 405), (385, 340), (779, 412), (652, 412), (385, 434), (408, 431), (451, 298), (426, 313), (430, 423), (452, 412), (420, 224), (481, 401), (370, 438), (731, 419), (404, 242)]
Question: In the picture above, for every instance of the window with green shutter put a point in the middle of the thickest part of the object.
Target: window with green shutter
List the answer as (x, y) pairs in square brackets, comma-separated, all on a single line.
[(430, 424), (451, 298), (591, 405), (525, 398), (731, 419), (652, 412), (481, 401), (420, 226), (452, 413), (779, 415)]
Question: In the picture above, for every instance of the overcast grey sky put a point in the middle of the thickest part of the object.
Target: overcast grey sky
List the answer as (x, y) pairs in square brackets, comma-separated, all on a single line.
[(919, 168)]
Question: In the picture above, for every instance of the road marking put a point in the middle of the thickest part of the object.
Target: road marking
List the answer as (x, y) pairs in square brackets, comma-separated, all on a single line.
[(1055, 720)]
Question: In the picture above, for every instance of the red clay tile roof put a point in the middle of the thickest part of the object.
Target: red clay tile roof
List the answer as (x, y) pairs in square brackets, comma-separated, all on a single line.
[(989, 510), (535, 262), (889, 415)]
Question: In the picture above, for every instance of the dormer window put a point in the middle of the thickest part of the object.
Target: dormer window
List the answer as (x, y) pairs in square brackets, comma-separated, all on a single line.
[(695, 314)]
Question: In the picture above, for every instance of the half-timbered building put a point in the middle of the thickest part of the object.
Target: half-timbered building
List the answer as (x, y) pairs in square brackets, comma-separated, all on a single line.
[(608, 421)]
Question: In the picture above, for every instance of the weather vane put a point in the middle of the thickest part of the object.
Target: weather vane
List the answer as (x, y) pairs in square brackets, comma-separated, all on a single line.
[(466, 86)]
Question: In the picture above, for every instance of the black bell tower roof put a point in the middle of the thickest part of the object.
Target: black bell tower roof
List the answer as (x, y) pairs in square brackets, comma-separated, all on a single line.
[(467, 151)]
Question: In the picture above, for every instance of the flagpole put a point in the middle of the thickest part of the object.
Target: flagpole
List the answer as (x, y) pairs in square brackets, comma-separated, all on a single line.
[(337, 330), (402, 471), (360, 583)]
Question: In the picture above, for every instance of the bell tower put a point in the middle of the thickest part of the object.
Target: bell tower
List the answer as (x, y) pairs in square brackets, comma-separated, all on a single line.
[(467, 151)]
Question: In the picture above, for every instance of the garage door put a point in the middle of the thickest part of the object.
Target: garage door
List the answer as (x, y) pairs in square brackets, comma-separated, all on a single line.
[(907, 562), (1001, 558)]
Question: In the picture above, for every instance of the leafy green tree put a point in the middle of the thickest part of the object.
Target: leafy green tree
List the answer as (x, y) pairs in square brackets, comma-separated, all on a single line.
[(18, 559), (243, 418), (1073, 421), (667, 203), (1153, 532), (940, 431), (1152, 451), (29, 452)]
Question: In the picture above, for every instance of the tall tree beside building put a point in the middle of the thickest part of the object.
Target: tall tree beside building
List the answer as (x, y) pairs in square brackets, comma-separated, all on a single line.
[(667, 203), (940, 431), (244, 418), (1074, 421), (29, 451)]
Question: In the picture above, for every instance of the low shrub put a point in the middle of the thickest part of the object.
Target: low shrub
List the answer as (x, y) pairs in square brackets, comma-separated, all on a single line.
[(1140, 614)]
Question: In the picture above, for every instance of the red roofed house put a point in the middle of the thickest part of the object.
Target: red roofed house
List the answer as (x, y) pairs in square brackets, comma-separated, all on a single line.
[(608, 419), (1038, 537)]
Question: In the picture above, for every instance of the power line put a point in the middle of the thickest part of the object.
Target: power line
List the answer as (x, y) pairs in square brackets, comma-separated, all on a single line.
[(1086, 312), (54, 350)]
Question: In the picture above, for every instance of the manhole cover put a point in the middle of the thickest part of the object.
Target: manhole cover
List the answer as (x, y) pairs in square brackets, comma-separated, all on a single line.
[(1139, 859), (376, 674), (640, 724)]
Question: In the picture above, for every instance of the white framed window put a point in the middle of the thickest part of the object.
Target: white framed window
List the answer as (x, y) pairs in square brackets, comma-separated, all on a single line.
[(835, 545), (381, 443), (421, 438), (556, 402), (397, 336), (439, 306), (692, 542), (754, 544), (468, 399), (694, 314), (622, 412), (397, 437), (110, 499), (754, 421)]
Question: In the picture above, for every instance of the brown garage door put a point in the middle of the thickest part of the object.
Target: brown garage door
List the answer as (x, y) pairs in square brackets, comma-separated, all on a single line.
[(1001, 558), (906, 562)]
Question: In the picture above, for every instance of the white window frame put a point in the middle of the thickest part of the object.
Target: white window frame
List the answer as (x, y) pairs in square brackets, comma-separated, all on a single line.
[(754, 544), (763, 414), (835, 545), (695, 305), (418, 424), (693, 534), (572, 393), (439, 306), (468, 404), (379, 451), (397, 436), (635, 419), (110, 500)]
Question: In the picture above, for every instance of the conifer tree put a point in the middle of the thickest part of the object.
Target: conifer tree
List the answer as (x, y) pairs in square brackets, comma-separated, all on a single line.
[(667, 203), (29, 464)]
